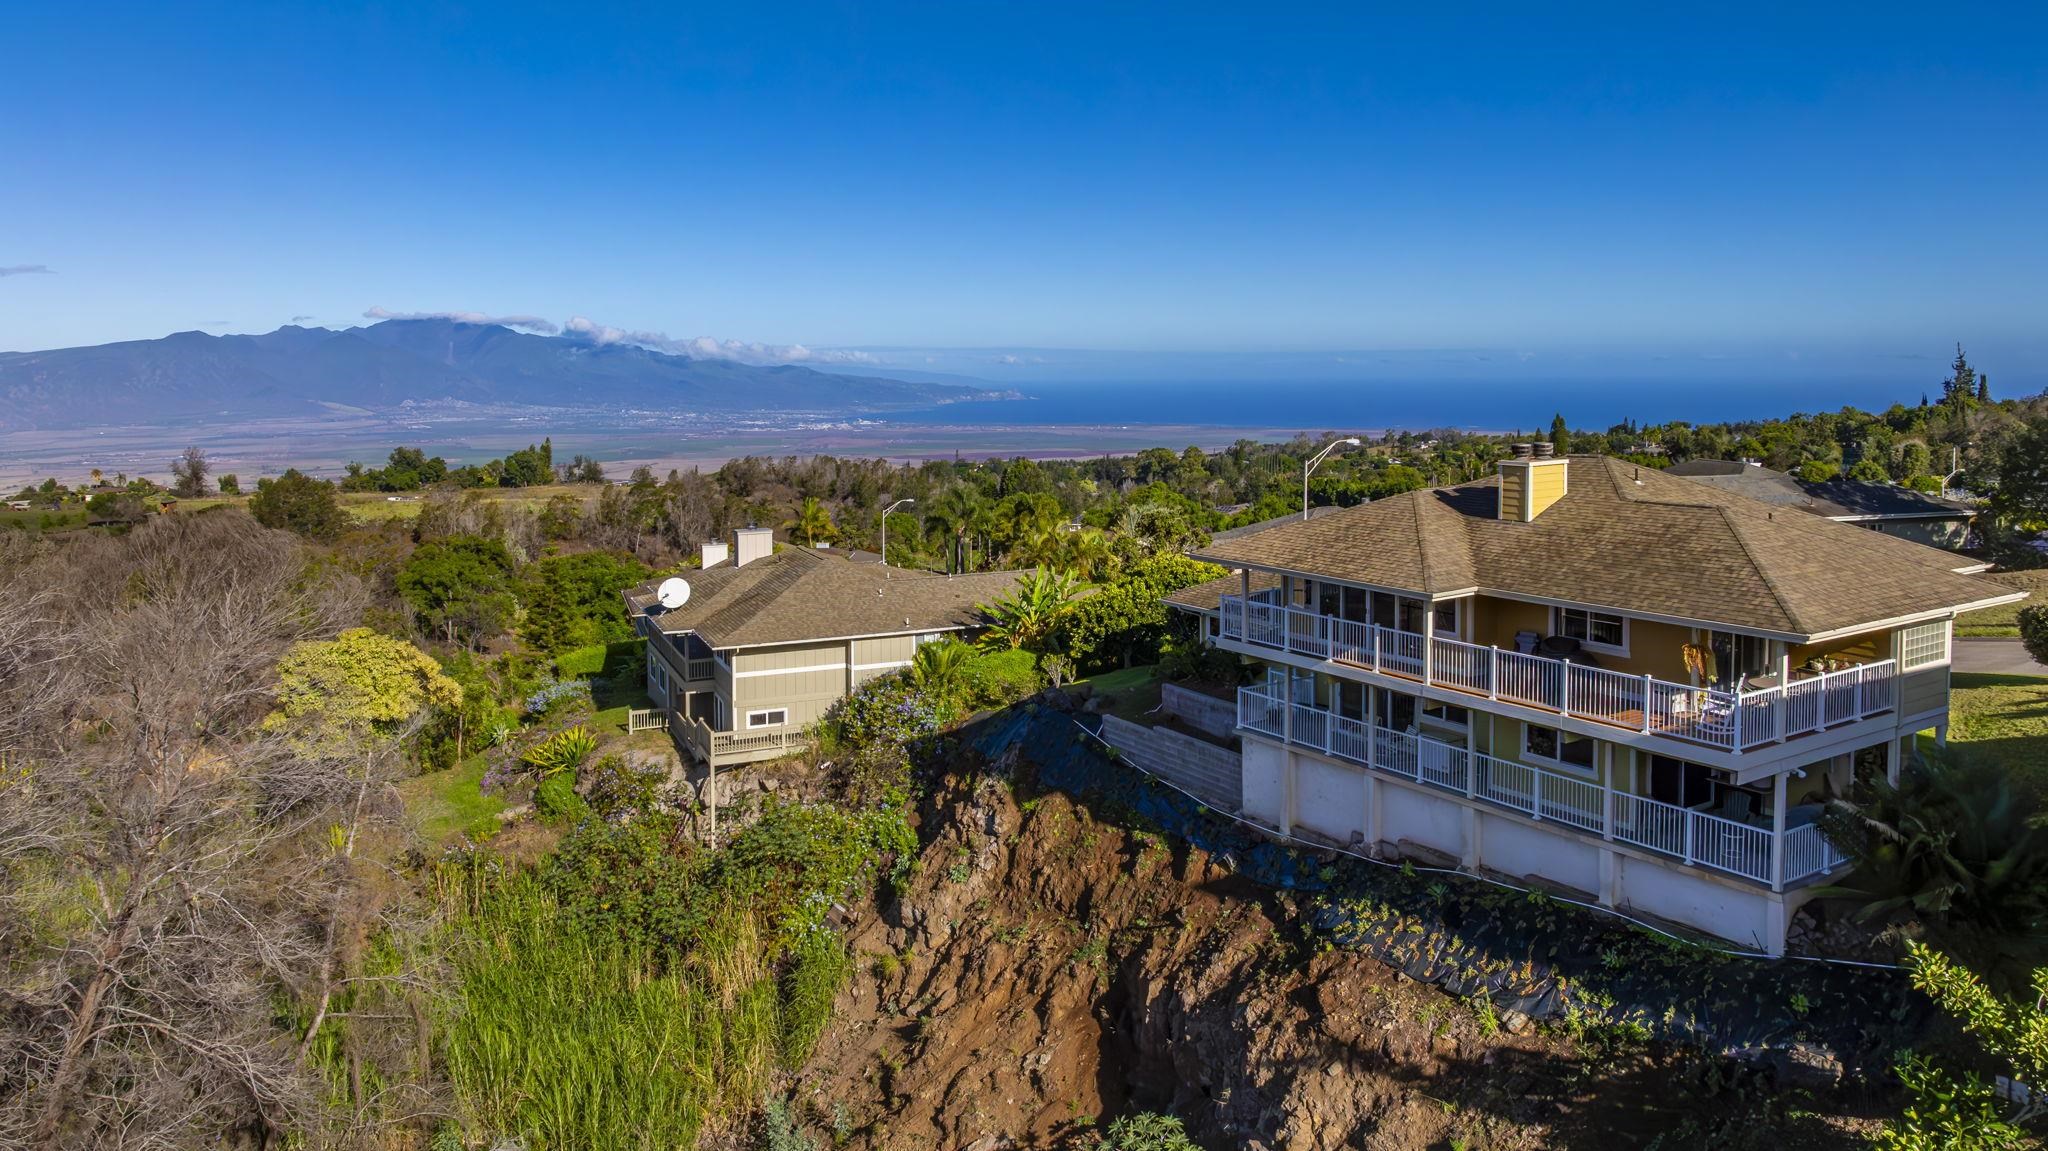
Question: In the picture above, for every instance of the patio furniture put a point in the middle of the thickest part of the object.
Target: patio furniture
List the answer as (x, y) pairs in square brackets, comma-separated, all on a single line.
[(1525, 642)]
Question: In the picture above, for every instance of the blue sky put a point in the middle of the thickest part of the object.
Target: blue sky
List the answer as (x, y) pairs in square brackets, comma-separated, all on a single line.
[(1603, 186)]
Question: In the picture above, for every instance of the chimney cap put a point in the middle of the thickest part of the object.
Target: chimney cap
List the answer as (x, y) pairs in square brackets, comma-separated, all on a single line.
[(1525, 451), (1544, 449)]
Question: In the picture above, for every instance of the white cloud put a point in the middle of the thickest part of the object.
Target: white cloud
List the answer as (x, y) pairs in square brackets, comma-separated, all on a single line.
[(531, 323), (28, 270), (710, 348)]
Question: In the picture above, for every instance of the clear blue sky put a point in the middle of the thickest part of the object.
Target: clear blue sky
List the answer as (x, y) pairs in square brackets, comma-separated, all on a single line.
[(1850, 185)]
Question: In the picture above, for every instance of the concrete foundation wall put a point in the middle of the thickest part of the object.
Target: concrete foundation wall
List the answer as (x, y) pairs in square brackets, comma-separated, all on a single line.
[(1334, 800), (1202, 712)]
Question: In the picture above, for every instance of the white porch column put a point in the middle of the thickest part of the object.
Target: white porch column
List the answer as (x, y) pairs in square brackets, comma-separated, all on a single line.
[(1778, 831), (1244, 604), (1892, 755), (1607, 796)]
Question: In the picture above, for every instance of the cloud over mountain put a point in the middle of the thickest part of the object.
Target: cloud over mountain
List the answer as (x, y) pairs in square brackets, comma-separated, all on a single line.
[(707, 347), (530, 323)]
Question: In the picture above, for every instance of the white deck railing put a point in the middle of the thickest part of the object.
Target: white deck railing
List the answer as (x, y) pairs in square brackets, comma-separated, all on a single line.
[(1727, 720), (1579, 802)]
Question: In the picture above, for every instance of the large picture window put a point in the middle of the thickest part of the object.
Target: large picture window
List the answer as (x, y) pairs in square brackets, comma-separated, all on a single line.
[(1594, 628), (1923, 644)]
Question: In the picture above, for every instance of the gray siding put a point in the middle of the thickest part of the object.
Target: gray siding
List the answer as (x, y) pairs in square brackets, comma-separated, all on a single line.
[(1923, 690), (803, 679)]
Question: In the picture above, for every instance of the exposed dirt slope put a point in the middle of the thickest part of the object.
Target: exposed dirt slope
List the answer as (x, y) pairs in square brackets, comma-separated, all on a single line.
[(1049, 969)]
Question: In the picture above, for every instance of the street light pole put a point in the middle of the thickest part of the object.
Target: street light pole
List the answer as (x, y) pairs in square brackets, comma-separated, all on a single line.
[(885, 526), (1311, 466)]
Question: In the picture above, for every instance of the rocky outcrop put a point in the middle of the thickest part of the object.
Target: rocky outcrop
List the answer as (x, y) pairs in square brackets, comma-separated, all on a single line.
[(1052, 967)]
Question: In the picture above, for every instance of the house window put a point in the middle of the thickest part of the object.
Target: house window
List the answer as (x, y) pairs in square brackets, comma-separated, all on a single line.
[(1447, 713), (774, 717), (1923, 644), (1594, 628), (657, 678), (1558, 747), (1447, 617), (930, 637)]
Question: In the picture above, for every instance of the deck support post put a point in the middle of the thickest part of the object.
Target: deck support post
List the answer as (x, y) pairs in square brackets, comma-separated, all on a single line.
[(1778, 832), (1893, 748)]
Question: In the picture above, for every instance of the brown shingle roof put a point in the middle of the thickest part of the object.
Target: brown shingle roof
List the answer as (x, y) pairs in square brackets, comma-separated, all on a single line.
[(797, 595), (1209, 596), (1627, 538)]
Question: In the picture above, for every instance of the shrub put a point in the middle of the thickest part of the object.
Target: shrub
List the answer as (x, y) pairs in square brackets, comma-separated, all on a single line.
[(818, 967), (560, 754), (556, 799), (996, 678), (553, 693), (1145, 1131), (1125, 623), (887, 710), (2034, 631)]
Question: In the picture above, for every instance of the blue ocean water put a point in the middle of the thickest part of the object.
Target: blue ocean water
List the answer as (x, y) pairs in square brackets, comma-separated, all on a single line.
[(1352, 404)]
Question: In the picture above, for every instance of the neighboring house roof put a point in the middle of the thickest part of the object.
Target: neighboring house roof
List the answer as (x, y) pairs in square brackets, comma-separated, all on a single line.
[(1835, 499), (1209, 596), (798, 594), (1628, 538)]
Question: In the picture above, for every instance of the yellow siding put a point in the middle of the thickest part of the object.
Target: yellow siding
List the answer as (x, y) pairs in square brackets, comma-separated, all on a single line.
[(1498, 620), (1866, 648), (1511, 493), (1654, 648), (1546, 479)]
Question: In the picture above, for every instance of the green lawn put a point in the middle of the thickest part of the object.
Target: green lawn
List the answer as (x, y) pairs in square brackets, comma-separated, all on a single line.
[(1130, 692), (2004, 717), (2004, 621), (447, 803)]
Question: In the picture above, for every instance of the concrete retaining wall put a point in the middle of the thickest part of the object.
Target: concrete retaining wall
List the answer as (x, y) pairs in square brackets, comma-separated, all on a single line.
[(1218, 717), (1212, 774)]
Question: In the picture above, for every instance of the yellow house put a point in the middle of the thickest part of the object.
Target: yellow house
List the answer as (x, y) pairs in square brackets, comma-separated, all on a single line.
[(1587, 673)]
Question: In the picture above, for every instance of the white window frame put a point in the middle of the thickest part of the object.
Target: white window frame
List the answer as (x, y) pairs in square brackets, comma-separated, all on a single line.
[(1557, 618), (1590, 770), (757, 720), (1930, 656), (1457, 610), (657, 677)]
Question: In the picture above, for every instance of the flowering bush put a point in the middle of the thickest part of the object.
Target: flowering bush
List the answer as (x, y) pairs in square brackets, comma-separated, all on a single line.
[(884, 710), (553, 692)]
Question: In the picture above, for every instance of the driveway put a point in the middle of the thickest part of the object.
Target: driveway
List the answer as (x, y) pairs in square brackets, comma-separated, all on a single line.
[(1999, 656)]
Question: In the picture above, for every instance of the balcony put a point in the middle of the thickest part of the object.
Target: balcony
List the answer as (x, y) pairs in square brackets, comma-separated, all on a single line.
[(1732, 721), (694, 737), (1582, 805)]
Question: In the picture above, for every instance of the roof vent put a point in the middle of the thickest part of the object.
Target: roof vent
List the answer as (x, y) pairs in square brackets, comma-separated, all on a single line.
[(1545, 449), (1525, 451)]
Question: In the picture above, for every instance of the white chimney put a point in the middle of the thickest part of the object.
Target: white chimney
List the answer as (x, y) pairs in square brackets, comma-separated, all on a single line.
[(750, 544), (711, 554)]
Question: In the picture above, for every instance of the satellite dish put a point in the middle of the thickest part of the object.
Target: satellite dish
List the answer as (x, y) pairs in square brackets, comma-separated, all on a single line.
[(673, 593)]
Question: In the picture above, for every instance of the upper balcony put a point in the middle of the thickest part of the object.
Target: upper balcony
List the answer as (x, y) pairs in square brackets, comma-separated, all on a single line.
[(1726, 720)]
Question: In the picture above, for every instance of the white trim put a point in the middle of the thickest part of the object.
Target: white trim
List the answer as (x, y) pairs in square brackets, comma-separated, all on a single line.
[(874, 666), (841, 666), (764, 713)]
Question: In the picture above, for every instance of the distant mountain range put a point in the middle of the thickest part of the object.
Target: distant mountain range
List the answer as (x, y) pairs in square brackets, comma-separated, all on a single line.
[(294, 371)]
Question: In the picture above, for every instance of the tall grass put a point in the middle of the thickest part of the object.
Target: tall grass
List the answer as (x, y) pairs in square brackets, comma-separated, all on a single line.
[(573, 1042)]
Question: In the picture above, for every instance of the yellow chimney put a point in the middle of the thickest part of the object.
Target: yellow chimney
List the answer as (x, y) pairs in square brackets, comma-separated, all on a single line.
[(1532, 481)]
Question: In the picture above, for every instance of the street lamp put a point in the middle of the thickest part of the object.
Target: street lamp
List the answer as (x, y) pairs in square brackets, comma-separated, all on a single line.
[(1311, 466), (885, 526)]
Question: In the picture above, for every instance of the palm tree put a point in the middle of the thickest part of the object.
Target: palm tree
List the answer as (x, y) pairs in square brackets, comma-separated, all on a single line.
[(940, 669), (956, 510), (1029, 615), (812, 522)]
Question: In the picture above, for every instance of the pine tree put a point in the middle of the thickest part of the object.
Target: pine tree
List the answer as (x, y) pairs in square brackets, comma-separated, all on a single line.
[(1560, 434), (1960, 389), (1983, 388)]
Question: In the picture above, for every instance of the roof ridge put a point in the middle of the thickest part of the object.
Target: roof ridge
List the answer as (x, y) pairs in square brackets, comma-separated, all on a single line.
[(1763, 572)]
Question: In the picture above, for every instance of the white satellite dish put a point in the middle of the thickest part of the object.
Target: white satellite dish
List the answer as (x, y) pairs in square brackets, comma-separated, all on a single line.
[(673, 593)]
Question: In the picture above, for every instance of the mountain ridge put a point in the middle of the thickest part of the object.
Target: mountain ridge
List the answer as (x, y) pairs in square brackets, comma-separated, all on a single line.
[(296, 370)]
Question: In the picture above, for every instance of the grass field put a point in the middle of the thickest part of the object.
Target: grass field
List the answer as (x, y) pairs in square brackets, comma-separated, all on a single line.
[(369, 507), (2004, 621), (447, 803), (1130, 692), (2004, 717)]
